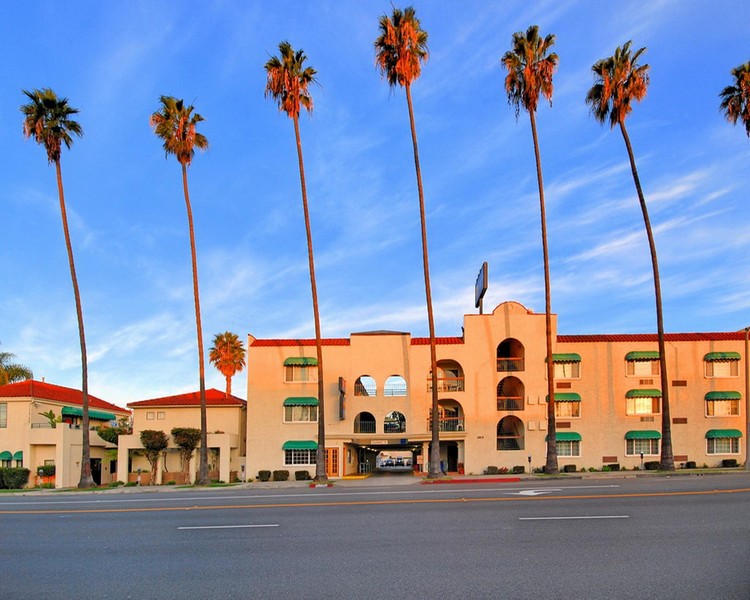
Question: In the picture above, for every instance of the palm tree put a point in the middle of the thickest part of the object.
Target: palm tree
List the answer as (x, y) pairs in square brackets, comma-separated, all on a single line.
[(12, 372), (400, 50), (228, 356), (48, 119), (735, 99), (530, 68), (175, 124), (288, 83), (620, 80)]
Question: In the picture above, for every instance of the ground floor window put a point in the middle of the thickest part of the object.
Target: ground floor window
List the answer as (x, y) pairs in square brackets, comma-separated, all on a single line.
[(568, 448), (567, 410), (724, 445), (299, 457), (642, 446)]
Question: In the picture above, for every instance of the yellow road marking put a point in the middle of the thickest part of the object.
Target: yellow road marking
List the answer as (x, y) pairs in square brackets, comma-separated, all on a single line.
[(367, 503)]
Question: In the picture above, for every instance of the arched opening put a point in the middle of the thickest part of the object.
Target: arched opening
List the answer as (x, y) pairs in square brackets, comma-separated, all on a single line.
[(394, 422), (364, 422), (395, 385), (450, 416), (365, 386), (510, 355), (450, 377), (510, 394), (510, 434)]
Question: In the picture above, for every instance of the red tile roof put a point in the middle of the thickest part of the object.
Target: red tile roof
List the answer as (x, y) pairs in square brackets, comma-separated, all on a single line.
[(214, 397), (652, 337), (279, 342), (58, 393), (424, 341)]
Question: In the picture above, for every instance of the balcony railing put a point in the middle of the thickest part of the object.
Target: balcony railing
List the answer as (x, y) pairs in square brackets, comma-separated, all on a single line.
[(364, 427), (448, 424), (361, 389), (510, 364), (510, 442), (447, 384), (510, 403)]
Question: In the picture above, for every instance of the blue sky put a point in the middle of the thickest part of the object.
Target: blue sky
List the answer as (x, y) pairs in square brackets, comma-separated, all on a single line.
[(127, 213)]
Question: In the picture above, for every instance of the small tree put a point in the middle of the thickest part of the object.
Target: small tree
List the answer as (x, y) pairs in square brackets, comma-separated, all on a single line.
[(187, 439), (153, 442)]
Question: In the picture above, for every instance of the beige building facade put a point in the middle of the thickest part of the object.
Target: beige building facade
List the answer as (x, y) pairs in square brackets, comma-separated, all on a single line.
[(226, 427), (492, 398), (31, 439)]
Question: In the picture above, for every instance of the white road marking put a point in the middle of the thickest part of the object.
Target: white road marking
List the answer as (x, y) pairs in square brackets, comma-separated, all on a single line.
[(534, 492), (573, 518), (230, 526)]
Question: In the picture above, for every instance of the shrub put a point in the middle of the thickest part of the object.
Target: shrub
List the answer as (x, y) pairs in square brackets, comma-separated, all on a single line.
[(491, 470), (171, 482), (281, 475), (47, 486), (569, 469), (264, 475), (729, 462), (131, 484), (47, 470), (690, 464), (302, 475), (651, 465), (613, 466), (503, 470), (14, 478), (518, 469), (592, 470), (606, 469)]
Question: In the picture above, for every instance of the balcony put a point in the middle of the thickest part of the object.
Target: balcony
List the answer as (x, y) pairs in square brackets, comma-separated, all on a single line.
[(510, 363), (510, 403), (510, 442), (447, 424), (447, 384)]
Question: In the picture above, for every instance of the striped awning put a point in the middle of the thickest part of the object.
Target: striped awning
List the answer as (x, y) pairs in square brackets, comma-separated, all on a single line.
[(643, 355), (18, 455), (718, 356), (712, 434), (97, 415), (565, 397), (300, 445), (723, 396), (644, 393), (6, 455), (301, 401), (643, 434), (566, 357), (566, 436), (300, 361)]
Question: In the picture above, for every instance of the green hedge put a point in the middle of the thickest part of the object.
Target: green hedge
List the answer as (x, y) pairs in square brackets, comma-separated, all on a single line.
[(281, 475), (13, 478)]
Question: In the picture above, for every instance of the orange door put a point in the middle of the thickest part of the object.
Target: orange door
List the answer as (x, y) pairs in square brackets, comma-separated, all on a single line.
[(332, 462)]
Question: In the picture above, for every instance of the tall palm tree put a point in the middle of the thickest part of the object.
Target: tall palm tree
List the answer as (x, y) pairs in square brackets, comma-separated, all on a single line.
[(228, 356), (288, 82), (12, 372), (530, 67), (735, 99), (48, 119), (619, 81), (400, 50), (175, 124)]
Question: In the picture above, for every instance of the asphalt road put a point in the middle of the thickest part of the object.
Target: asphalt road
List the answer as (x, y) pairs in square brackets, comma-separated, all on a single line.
[(679, 537)]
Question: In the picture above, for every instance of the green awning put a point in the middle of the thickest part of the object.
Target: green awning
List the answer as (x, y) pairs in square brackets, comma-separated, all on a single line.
[(643, 434), (643, 355), (300, 445), (569, 357), (300, 361), (712, 434), (716, 356), (18, 455), (645, 393), (301, 401), (566, 436), (97, 415), (566, 397), (723, 396), (5, 455)]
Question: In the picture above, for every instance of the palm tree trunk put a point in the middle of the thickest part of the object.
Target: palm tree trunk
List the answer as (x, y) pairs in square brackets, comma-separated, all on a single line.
[(434, 463), (229, 386), (203, 478), (86, 480), (667, 455), (320, 454), (551, 465)]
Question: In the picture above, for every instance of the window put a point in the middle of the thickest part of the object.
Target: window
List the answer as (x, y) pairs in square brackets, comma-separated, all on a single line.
[(510, 434), (722, 364), (567, 366), (3, 414), (568, 448), (365, 386), (642, 364), (723, 404), (724, 445), (299, 457), (395, 385), (301, 410), (510, 394), (567, 410), (150, 416), (300, 369), (510, 355), (643, 402), (364, 422), (160, 415), (394, 422), (648, 447)]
